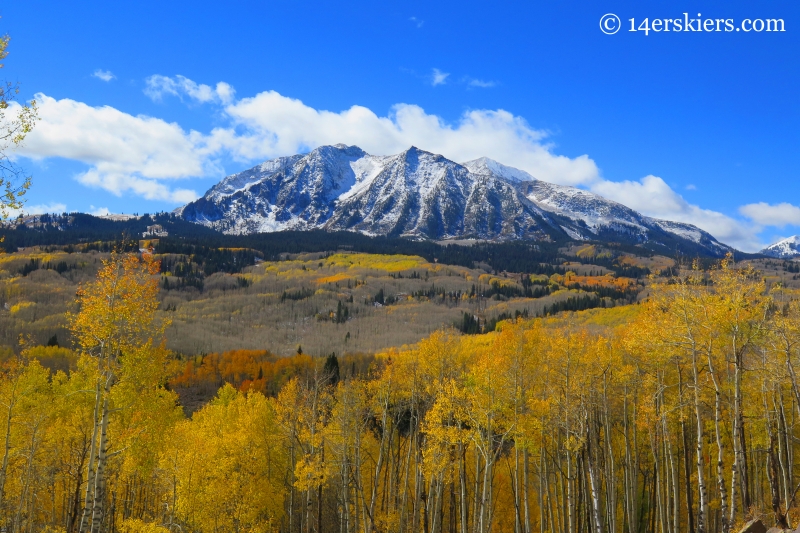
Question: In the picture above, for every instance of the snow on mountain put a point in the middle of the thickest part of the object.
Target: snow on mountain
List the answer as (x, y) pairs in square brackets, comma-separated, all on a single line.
[(484, 165), (423, 195), (786, 249), (240, 181), (601, 217)]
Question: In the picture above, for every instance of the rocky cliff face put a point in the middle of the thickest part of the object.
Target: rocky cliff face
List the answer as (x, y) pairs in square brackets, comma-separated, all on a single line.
[(423, 195)]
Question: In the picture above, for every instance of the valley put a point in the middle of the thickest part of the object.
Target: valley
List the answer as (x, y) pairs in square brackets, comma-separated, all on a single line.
[(319, 302)]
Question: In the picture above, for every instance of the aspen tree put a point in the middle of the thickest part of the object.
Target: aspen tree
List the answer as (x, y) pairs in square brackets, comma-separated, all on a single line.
[(115, 323)]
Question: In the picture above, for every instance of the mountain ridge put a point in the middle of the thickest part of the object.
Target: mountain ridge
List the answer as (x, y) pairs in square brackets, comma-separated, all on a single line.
[(787, 248), (422, 195)]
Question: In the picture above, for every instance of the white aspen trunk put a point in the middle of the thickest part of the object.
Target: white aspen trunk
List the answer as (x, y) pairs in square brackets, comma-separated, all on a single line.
[(439, 508), (463, 486), (723, 496), (24, 500), (702, 491), (738, 453), (685, 455), (98, 498), (7, 445), (594, 486), (570, 496), (772, 469), (484, 510), (657, 481), (516, 489), (795, 389), (676, 495), (540, 490), (88, 501), (629, 474), (435, 497), (671, 479), (490, 506), (346, 493), (476, 493), (562, 485), (611, 485), (291, 485), (406, 477), (788, 447), (554, 520), (782, 449), (526, 482), (376, 478), (417, 492)]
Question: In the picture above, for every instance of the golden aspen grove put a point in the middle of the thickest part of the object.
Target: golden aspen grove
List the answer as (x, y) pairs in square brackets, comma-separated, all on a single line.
[(676, 414)]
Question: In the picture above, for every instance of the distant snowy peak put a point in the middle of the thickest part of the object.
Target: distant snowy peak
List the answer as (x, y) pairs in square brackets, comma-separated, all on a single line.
[(601, 217), (786, 249), (423, 195), (484, 165)]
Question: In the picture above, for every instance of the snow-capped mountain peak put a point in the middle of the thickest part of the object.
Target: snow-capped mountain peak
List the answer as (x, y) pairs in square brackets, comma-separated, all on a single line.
[(485, 165), (424, 195), (788, 248)]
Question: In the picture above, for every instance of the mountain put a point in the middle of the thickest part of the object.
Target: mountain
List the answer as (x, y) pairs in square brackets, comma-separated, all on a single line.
[(422, 195), (788, 248)]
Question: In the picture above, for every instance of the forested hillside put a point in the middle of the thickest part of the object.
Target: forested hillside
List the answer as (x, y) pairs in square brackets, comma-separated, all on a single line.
[(223, 299), (677, 414)]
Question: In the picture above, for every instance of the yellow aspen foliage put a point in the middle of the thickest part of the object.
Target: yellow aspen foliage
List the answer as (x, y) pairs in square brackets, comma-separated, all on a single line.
[(677, 414), (229, 462), (133, 525)]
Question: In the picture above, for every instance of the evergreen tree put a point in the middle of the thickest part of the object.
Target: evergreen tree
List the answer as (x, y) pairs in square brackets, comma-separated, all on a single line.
[(331, 369)]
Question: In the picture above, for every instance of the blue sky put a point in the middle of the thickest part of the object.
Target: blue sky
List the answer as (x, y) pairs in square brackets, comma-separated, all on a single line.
[(145, 105)]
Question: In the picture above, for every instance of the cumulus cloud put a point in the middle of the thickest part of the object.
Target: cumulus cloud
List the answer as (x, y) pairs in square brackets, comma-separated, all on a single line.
[(277, 125), (778, 215), (652, 196), (124, 152), (438, 77), (99, 211), (38, 209), (117, 183), (105, 75), (142, 155), (158, 86)]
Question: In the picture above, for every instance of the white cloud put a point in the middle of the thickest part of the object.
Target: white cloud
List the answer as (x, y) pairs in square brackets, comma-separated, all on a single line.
[(480, 83), (417, 22), (158, 86), (118, 183), (653, 197), (778, 215), (691, 187), (38, 209), (105, 75), (144, 155), (277, 125), (438, 77), (124, 152), (99, 211), (141, 154)]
